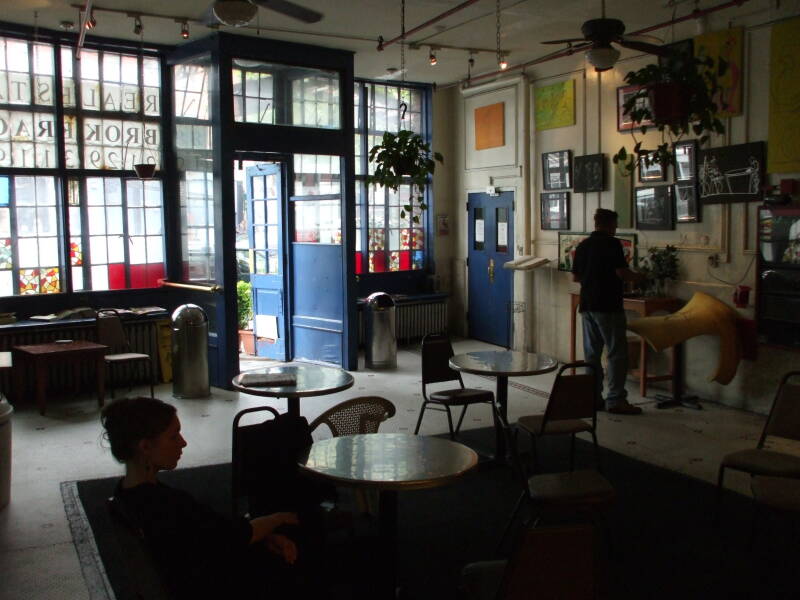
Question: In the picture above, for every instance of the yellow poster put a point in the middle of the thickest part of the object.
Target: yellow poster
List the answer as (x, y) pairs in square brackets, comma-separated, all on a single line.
[(725, 48), (554, 105), (784, 98)]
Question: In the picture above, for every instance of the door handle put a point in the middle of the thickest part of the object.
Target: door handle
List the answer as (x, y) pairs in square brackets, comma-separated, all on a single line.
[(490, 270)]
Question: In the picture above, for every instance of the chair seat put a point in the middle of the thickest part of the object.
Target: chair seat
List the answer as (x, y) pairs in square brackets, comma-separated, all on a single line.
[(781, 493), (481, 580), (533, 424), (763, 462), (126, 356), (459, 397), (573, 487)]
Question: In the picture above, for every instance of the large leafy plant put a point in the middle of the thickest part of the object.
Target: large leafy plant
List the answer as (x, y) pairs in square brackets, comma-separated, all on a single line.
[(676, 98), (403, 158), (244, 305)]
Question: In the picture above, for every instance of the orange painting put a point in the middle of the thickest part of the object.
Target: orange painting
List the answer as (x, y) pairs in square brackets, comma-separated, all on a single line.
[(490, 127)]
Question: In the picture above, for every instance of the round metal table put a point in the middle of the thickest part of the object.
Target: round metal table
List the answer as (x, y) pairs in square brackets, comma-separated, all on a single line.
[(311, 380), (503, 364), (388, 462)]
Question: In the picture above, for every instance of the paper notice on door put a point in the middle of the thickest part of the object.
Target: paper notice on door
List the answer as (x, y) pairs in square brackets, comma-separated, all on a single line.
[(479, 230), (267, 326), (502, 234)]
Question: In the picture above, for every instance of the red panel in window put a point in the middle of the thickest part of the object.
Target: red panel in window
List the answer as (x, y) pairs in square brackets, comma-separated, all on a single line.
[(116, 276), (378, 261), (405, 260), (138, 276), (155, 272), (359, 263)]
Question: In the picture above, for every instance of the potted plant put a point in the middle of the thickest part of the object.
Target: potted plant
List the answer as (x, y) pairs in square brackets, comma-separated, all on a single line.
[(661, 265), (400, 158), (676, 98), (244, 308)]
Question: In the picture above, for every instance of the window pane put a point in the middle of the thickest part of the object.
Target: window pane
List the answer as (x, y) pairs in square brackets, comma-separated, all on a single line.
[(317, 221)]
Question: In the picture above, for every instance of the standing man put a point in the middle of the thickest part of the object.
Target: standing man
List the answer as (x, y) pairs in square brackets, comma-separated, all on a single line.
[(600, 268)]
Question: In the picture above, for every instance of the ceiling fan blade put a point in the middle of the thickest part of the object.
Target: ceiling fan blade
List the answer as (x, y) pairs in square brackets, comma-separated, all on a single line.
[(208, 18), (644, 47), (569, 41), (644, 37), (290, 9)]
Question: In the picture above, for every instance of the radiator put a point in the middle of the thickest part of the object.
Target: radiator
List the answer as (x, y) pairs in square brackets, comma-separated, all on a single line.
[(414, 319), (141, 334)]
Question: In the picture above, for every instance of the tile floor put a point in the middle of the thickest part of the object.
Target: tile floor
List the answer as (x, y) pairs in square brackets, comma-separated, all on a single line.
[(67, 445)]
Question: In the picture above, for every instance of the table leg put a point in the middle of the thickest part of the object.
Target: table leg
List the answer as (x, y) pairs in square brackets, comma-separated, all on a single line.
[(293, 405), (41, 384), (502, 404), (388, 531), (101, 380)]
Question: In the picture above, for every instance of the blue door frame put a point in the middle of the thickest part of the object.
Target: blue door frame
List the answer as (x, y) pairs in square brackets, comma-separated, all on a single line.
[(491, 287)]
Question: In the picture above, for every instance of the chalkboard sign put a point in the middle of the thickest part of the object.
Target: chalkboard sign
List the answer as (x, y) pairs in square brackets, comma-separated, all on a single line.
[(589, 173)]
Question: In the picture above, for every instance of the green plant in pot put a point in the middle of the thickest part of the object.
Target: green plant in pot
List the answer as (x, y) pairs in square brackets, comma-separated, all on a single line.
[(244, 313), (676, 98), (659, 266), (402, 158)]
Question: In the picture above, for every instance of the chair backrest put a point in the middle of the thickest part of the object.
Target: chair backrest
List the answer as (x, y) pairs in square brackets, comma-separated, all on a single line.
[(359, 415), (573, 396), (110, 331), (436, 353), (552, 562), (784, 417)]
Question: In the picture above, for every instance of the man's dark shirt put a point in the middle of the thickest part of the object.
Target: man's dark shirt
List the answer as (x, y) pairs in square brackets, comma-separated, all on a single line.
[(596, 260)]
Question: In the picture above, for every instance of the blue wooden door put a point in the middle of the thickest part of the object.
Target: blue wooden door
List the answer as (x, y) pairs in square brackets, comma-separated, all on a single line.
[(491, 245), (264, 188)]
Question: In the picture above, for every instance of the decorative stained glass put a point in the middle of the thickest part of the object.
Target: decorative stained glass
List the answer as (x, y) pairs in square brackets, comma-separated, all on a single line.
[(49, 283), (5, 253), (28, 281), (75, 254)]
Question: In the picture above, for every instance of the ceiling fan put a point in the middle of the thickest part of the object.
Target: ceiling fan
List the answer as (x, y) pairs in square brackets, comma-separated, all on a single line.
[(598, 34), (237, 13)]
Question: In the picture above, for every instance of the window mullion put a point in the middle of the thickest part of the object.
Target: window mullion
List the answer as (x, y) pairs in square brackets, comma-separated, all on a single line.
[(12, 204), (85, 238)]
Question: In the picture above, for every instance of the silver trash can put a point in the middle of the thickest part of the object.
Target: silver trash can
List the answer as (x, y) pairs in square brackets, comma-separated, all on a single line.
[(5, 451), (190, 352), (381, 341)]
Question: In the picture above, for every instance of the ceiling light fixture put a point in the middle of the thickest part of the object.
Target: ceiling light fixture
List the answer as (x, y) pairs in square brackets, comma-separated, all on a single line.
[(91, 22), (235, 13), (185, 30), (137, 25), (503, 63), (602, 58), (432, 58), (501, 57)]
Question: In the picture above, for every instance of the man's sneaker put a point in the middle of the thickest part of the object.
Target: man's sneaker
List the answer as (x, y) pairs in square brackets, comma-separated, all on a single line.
[(624, 408)]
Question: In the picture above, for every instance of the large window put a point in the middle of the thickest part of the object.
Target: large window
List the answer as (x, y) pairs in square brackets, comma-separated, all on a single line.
[(385, 240), (98, 228)]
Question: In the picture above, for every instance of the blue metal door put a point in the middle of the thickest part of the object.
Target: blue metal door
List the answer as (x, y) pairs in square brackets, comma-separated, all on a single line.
[(266, 242), (491, 245)]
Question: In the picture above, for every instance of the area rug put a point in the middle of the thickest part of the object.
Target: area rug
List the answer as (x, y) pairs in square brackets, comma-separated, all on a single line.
[(663, 540)]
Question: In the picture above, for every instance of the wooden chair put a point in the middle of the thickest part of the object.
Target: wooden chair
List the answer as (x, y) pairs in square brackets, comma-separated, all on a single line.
[(359, 415), (571, 409), (581, 491), (783, 421), (111, 333), (436, 353), (547, 562)]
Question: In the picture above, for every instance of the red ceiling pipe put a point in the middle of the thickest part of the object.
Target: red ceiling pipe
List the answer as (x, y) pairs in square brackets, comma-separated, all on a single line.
[(455, 9), (695, 14)]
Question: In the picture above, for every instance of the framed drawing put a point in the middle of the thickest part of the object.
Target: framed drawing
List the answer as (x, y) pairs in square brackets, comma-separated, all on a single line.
[(686, 207), (685, 155), (651, 172), (654, 208), (590, 173), (568, 243), (625, 122), (557, 170), (555, 210), (731, 173)]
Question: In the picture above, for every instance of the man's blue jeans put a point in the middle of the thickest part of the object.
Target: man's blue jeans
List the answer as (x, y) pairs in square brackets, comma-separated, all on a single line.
[(607, 329)]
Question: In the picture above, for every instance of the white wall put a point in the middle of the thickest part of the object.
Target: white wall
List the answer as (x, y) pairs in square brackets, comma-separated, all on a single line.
[(726, 230)]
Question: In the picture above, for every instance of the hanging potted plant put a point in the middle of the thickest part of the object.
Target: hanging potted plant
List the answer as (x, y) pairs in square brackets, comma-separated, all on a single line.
[(676, 99), (401, 158), (244, 308)]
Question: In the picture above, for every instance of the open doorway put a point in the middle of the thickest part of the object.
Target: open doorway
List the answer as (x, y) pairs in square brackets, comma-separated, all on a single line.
[(260, 258)]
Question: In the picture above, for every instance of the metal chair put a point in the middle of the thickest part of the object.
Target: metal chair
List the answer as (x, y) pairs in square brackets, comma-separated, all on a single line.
[(571, 409), (359, 415), (111, 333), (582, 491), (436, 353), (783, 421)]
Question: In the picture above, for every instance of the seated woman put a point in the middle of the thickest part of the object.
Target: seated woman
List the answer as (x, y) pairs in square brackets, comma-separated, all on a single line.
[(200, 553)]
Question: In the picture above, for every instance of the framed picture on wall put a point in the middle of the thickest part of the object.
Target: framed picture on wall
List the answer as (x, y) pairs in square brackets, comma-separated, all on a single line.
[(687, 210), (555, 210), (654, 208), (625, 122), (590, 173), (685, 155), (557, 170), (651, 172)]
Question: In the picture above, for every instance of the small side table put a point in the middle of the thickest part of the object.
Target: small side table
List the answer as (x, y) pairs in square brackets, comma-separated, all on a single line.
[(41, 355), (644, 306)]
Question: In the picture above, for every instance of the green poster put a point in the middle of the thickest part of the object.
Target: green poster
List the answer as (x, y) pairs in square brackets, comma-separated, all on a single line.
[(554, 105)]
